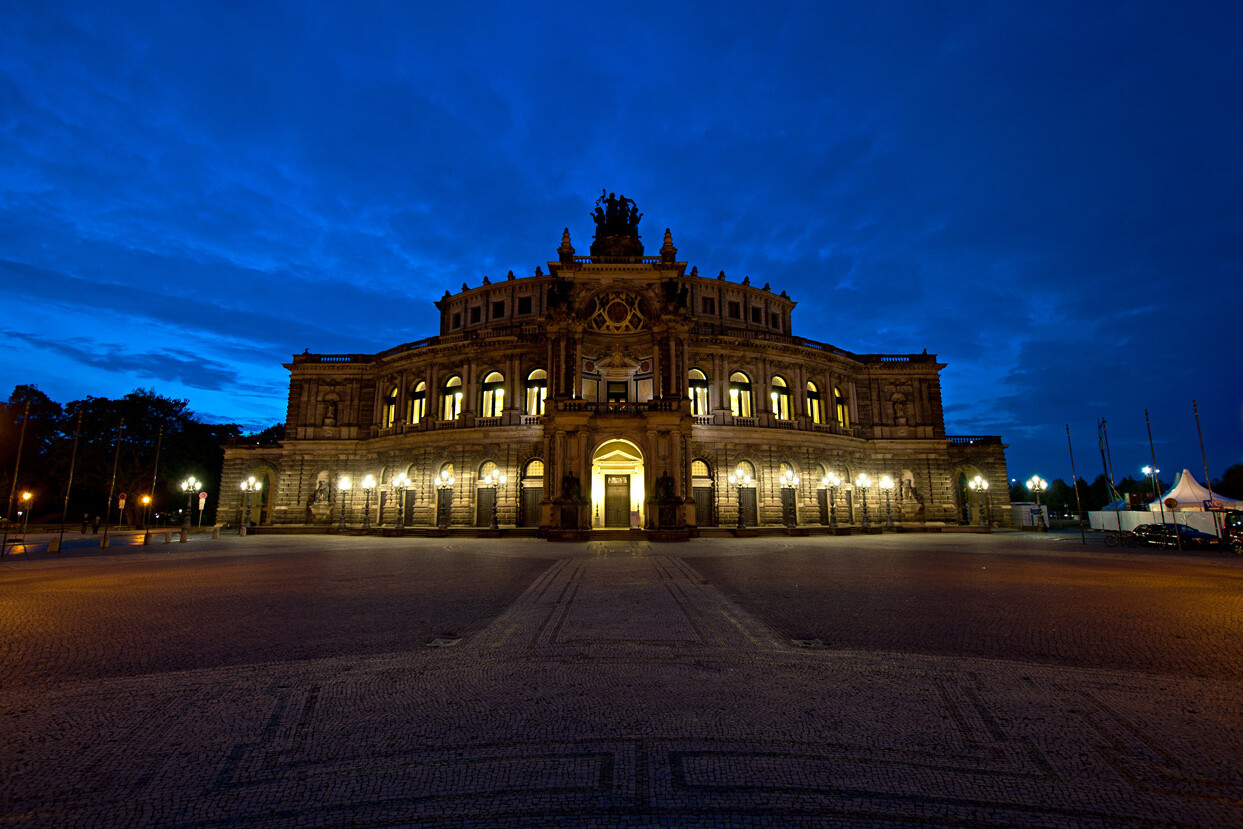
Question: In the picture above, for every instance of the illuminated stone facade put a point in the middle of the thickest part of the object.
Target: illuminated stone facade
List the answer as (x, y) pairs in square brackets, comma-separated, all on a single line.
[(617, 391)]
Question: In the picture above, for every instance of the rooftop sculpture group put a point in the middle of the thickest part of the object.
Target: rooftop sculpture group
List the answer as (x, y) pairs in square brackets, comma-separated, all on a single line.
[(617, 226)]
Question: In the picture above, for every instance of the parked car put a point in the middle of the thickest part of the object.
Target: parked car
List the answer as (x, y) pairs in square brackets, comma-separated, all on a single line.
[(1164, 535)]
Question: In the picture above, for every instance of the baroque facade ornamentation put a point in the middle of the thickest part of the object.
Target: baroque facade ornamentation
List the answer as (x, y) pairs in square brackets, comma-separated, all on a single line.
[(617, 390)]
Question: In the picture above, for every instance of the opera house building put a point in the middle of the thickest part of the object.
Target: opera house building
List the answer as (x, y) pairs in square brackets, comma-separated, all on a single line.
[(616, 391)]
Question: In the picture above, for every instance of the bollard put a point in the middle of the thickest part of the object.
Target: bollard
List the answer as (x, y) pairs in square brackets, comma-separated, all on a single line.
[(168, 537), (242, 530), (53, 546), (215, 533), (184, 536), (103, 542), (146, 538)]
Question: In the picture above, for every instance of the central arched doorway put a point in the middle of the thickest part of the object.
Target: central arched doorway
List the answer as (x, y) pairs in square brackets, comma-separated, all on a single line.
[(617, 487)]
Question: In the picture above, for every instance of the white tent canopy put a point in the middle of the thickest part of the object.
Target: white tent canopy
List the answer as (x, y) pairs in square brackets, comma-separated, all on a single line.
[(1188, 494)]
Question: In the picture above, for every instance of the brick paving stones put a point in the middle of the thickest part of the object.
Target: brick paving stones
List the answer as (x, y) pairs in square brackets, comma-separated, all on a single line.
[(616, 684)]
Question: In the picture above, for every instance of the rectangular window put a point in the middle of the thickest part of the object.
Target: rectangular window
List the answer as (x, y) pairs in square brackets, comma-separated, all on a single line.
[(775, 321), (735, 310), (755, 316), (457, 319), (475, 314), (498, 310), (709, 305), (617, 391), (524, 305)]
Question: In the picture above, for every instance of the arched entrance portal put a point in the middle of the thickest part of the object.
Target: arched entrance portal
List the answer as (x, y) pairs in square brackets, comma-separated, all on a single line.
[(617, 487)]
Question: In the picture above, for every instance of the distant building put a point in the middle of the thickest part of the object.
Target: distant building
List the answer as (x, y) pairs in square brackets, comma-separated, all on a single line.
[(616, 390)]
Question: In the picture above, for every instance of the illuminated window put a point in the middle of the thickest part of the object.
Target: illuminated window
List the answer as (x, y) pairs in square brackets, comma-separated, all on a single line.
[(416, 408), (451, 399), (493, 394), (815, 409), (843, 409), (780, 398), (699, 392), (740, 395), (537, 391), (388, 415), (535, 469), (700, 469)]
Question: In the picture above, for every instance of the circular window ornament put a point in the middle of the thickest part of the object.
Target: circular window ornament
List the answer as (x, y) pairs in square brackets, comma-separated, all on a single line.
[(616, 312)]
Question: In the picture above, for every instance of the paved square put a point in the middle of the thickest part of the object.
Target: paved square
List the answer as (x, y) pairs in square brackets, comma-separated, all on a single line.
[(892, 680)]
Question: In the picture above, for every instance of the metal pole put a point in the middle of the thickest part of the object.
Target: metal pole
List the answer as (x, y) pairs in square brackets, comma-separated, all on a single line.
[(17, 465), (73, 460), (1178, 537), (116, 458), (155, 472), (1113, 493), (1208, 482), (1074, 479)]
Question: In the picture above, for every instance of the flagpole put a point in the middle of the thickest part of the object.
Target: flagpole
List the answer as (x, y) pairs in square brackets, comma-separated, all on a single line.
[(1178, 536), (1074, 479), (17, 466), (116, 458), (1208, 481), (73, 462), (1103, 433)]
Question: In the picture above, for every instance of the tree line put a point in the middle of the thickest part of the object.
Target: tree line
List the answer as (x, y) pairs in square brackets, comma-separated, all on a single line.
[(141, 419), (1060, 496)]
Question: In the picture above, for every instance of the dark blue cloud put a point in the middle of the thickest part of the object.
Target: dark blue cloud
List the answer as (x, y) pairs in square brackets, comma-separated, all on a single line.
[(1045, 195)]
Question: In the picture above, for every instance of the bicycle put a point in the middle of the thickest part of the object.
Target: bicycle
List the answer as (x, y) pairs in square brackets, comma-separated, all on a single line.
[(1126, 538)]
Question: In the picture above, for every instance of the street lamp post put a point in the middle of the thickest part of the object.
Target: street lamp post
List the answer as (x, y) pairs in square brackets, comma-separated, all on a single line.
[(1038, 485), (248, 486), (863, 482), (832, 481), (886, 483), (189, 486), (343, 489), (741, 480), (27, 497), (443, 483), (368, 485), (789, 483), (495, 479), (979, 486), (146, 527), (401, 482)]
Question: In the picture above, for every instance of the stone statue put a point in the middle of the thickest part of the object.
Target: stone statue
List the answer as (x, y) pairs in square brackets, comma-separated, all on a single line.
[(617, 226)]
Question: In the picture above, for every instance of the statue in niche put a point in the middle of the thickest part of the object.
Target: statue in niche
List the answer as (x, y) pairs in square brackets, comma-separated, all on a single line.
[(899, 410), (330, 413)]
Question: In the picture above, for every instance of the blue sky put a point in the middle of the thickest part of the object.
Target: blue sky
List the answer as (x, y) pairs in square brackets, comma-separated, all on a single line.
[(1045, 195)]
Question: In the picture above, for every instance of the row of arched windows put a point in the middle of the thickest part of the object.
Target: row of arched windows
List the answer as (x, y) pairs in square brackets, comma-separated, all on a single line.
[(742, 404), (741, 398), (493, 402)]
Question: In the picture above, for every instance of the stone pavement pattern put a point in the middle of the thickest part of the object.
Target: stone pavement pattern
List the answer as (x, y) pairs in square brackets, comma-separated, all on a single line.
[(621, 688)]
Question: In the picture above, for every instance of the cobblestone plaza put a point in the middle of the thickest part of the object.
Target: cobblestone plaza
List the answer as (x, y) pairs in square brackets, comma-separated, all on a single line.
[(902, 679)]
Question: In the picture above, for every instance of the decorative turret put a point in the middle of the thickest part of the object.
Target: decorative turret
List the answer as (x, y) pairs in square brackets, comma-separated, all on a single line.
[(566, 251), (668, 253)]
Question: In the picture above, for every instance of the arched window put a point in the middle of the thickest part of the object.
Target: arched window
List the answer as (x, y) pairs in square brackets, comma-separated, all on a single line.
[(537, 391), (740, 395), (416, 407), (388, 414), (700, 469), (842, 408), (745, 470), (699, 392), (534, 469), (780, 396), (451, 399), (493, 394), (815, 409), (485, 471)]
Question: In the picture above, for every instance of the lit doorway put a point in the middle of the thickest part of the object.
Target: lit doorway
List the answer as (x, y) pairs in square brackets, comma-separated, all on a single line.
[(617, 485)]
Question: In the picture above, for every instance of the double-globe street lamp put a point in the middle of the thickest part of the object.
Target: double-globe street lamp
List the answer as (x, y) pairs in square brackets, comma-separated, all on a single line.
[(832, 481), (343, 490), (740, 479), (247, 486), (401, 482), (189, 486), (495, 479), (1038, 485), (368, 485), (789, 483), (979, 486), (863, 482), (886, 483)]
